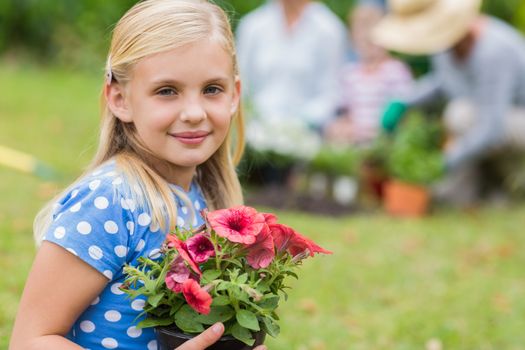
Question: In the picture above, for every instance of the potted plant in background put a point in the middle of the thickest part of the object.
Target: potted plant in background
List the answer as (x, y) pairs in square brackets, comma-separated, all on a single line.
[(230, 270), (414, 161)]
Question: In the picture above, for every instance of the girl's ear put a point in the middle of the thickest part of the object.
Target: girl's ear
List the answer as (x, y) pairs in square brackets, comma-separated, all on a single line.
[(236, 95), (117, 103)]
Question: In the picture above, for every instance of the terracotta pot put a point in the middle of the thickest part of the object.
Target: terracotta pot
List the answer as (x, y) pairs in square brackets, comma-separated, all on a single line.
[(169, 337), (404, 199)]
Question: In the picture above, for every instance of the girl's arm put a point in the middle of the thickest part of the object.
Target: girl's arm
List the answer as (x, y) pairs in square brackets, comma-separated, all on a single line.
[(59, 287)]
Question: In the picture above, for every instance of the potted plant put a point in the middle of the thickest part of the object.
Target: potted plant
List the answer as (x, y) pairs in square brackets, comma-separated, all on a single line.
[(230, 270), (414, 161)]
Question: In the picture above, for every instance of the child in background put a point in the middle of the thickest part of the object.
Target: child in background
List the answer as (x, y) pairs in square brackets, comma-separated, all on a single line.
[(368, 84), (171, 95)]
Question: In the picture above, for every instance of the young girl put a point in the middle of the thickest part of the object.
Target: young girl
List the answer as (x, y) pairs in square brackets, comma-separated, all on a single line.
[(170, 97)]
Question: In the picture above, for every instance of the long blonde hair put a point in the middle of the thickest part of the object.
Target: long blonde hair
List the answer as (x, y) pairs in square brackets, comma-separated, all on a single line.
[(151, 27)]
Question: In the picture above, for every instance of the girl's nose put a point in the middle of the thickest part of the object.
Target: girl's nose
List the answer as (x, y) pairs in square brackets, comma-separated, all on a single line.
[(193, 111)]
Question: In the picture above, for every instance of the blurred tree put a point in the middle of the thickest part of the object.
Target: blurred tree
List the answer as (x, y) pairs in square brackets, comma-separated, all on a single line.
[(76, 32)]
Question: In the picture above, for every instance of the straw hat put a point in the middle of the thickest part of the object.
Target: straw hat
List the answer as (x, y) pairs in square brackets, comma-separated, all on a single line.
[(423, 27)]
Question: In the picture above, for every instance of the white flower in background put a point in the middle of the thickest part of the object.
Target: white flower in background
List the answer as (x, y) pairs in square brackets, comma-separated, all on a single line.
[(282, 136)]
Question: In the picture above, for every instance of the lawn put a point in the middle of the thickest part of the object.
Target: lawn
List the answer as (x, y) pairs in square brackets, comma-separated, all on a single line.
[(449, 281)]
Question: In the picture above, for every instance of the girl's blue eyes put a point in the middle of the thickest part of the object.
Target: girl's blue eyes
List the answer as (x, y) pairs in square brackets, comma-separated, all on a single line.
[(209, 90)]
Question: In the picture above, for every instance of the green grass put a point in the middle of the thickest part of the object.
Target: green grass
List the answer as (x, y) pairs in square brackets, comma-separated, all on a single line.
[(452, 278)]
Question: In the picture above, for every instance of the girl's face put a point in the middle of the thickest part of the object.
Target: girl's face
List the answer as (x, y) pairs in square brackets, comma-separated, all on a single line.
[(181, 103)]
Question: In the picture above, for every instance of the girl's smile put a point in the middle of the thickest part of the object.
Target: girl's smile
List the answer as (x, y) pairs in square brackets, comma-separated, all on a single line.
[(191, 137)]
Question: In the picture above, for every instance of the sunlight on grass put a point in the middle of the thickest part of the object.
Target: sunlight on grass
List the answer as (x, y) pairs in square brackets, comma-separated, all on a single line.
[(453, 279)]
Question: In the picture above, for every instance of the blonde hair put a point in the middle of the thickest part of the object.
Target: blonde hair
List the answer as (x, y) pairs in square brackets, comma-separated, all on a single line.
[(151, 27)]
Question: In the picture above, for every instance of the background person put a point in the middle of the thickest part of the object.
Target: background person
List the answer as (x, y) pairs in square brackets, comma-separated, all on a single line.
[(367, 84), (478, 65), (290, 53)]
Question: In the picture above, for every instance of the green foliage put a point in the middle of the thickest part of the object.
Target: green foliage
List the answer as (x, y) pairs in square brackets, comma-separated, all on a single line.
[(335, 160), (414, 155)]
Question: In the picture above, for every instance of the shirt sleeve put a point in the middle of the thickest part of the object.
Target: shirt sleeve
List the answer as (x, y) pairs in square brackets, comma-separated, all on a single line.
[(492, 93), (93, 223)]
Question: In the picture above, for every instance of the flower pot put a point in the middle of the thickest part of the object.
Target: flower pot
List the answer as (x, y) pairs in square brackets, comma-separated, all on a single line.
[(169, 337), (404, 199)]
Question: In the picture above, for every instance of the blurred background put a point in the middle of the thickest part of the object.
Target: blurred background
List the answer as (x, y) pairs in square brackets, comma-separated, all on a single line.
[(445, 274)]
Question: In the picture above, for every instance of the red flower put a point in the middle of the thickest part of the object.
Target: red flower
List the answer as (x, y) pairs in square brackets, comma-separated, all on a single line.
[(200, 248), (175, 242), (177, 275), (239, 224), (199, 299), (286, 238), (270, 218), (262, 252)]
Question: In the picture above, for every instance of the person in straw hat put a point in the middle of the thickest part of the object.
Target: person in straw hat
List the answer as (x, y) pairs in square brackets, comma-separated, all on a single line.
[(478, 66)]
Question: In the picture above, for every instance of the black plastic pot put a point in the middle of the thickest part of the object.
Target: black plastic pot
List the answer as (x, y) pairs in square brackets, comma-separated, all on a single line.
[(168, 338)]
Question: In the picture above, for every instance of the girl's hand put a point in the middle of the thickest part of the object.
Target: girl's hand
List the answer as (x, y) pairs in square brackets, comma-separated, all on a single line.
[(207, 338)]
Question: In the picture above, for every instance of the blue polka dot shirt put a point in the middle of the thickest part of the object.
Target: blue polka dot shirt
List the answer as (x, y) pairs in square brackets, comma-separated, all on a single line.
[(98, 221)]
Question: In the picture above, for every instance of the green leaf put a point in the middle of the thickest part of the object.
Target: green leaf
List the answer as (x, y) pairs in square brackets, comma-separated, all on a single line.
[(186, 320), (220, 300), (247, 319), (242, 278), (271, 327), (154, 300), (217, 314), (242, 334), (153, 322), (270, 302), (210, 275)]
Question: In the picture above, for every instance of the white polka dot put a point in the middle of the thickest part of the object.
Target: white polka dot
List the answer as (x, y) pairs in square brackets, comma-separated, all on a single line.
[(76, 207), (128, 204), (110, 173), (140, 245), (87, 326), (84, 227), (154, 254), (133, 332), (95, 252), (131, 227), (121, 251), (101, 203), (115, 289), (117, 181), (72, 251), (74, 193), (112, 316), (96, 301), (110, 343), (60, 232), (197, 205), (138, 304), (184, 210), (108, 274), (93, 185), (154, 227), (195, 222), (144, 219), (152, 345), (111, 227), (180, 221)]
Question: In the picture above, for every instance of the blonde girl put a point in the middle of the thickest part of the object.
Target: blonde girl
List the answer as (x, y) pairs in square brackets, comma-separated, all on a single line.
[(169, 104)]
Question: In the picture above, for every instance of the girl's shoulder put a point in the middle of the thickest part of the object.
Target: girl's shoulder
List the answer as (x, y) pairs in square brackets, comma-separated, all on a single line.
[(101, 187)]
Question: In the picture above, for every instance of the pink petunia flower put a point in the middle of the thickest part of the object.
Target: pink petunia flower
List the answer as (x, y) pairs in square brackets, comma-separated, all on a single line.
[(286, 238), (175, 242), (200, 248), (177, 275), (196, 297), (238, 224), (262, 252)]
